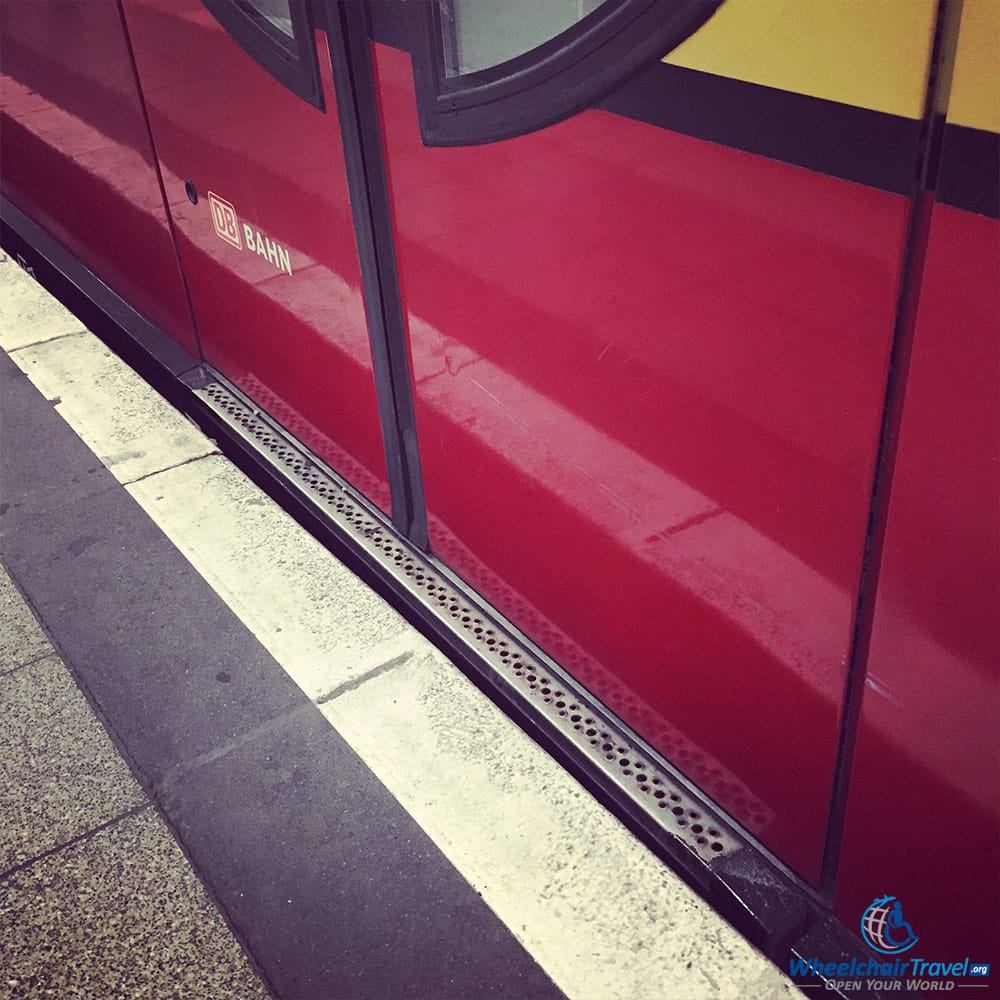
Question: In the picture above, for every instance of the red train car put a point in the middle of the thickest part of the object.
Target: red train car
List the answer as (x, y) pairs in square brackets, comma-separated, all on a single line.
[(645, 352)]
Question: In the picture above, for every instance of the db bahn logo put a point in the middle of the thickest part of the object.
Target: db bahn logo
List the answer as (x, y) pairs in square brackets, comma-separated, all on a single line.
[(228, 226), (883, 926), (225, 221)]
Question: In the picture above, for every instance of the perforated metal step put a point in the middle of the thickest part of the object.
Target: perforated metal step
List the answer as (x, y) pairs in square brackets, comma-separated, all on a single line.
[(585, 728)]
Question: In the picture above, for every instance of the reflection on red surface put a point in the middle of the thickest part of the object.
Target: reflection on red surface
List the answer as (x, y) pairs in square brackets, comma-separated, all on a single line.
[(650, 374), (76, 155), (922, 820), (296, 343)]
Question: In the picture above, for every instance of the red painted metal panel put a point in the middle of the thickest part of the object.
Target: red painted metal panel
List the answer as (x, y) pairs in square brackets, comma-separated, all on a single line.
[(650, 375), (297, 342), (923, 819), (76, 155)]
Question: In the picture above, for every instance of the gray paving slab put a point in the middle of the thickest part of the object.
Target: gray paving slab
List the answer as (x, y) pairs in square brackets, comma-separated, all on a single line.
[(60, 774), (154, 645), (321, 868), (39, 460), (21, 638), (119, 914)]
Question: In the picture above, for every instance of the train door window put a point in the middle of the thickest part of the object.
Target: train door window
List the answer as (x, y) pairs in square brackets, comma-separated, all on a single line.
[(493, 69), (276, 12), (279, 35), (477, 35)]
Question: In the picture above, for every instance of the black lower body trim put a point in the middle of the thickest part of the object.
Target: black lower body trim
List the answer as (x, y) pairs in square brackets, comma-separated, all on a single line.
[(969, 174), (840, 140)]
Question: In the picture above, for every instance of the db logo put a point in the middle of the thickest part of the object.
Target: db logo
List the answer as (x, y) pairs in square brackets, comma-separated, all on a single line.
[(225, 221)]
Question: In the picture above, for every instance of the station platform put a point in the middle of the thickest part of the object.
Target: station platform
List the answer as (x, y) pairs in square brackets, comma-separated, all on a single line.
[(231, 770)]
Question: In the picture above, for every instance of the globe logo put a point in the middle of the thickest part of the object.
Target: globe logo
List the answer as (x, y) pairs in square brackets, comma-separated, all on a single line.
[(883, 926)]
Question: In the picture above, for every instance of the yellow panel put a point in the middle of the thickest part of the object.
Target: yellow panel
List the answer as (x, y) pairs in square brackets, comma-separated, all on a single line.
[(975, 87), (871, 53)]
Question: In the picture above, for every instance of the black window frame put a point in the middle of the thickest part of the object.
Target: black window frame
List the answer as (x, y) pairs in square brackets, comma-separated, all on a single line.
[(292, 61), (556, 79)]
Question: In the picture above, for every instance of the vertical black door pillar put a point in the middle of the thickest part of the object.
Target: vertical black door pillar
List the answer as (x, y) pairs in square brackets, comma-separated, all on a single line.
[(357, 107)]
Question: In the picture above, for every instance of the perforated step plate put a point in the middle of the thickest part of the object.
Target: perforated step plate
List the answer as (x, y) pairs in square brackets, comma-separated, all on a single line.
[(586, 730)]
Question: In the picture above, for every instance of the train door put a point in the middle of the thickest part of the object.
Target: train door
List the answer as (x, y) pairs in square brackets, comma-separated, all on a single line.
[(650, 304), (245, 125), (75, 148)]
